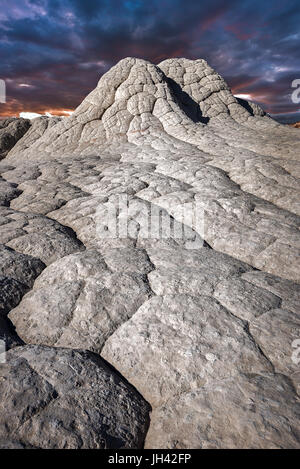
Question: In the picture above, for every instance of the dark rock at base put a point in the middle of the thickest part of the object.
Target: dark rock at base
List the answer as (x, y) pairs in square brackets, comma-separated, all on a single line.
[(63, 398)]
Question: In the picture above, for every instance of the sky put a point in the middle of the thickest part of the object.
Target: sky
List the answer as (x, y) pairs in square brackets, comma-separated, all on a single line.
[(53, 52)]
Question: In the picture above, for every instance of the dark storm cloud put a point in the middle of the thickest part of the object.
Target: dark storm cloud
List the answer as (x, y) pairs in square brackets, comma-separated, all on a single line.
[(59, 49)]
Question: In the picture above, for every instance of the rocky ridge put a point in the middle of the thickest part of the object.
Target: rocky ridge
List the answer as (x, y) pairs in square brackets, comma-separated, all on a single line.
[(11, 130), (198, 320), (296, 125)]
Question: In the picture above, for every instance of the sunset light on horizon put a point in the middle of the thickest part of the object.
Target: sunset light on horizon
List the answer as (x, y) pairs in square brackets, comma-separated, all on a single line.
[(54, 52)]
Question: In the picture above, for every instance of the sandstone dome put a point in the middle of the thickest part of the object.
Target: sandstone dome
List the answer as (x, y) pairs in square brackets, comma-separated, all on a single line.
[(196, 332)]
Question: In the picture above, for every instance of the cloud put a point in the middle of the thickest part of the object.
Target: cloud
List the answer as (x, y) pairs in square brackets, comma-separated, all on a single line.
[(60, 48), (31, 115)]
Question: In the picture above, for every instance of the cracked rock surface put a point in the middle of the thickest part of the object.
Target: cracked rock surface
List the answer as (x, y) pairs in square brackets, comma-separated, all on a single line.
[(66, 399), (11, 130), (158, 228)]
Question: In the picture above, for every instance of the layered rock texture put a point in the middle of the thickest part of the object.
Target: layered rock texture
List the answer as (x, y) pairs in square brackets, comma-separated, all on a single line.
[(11, 130), (150, 280)]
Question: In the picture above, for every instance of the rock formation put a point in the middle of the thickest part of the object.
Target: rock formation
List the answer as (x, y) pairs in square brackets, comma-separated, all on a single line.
[(196, 315), (11, 130), (296, 125), (61, 398)]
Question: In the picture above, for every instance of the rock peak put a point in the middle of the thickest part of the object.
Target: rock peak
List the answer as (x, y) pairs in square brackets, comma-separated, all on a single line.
[(150, 262)]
